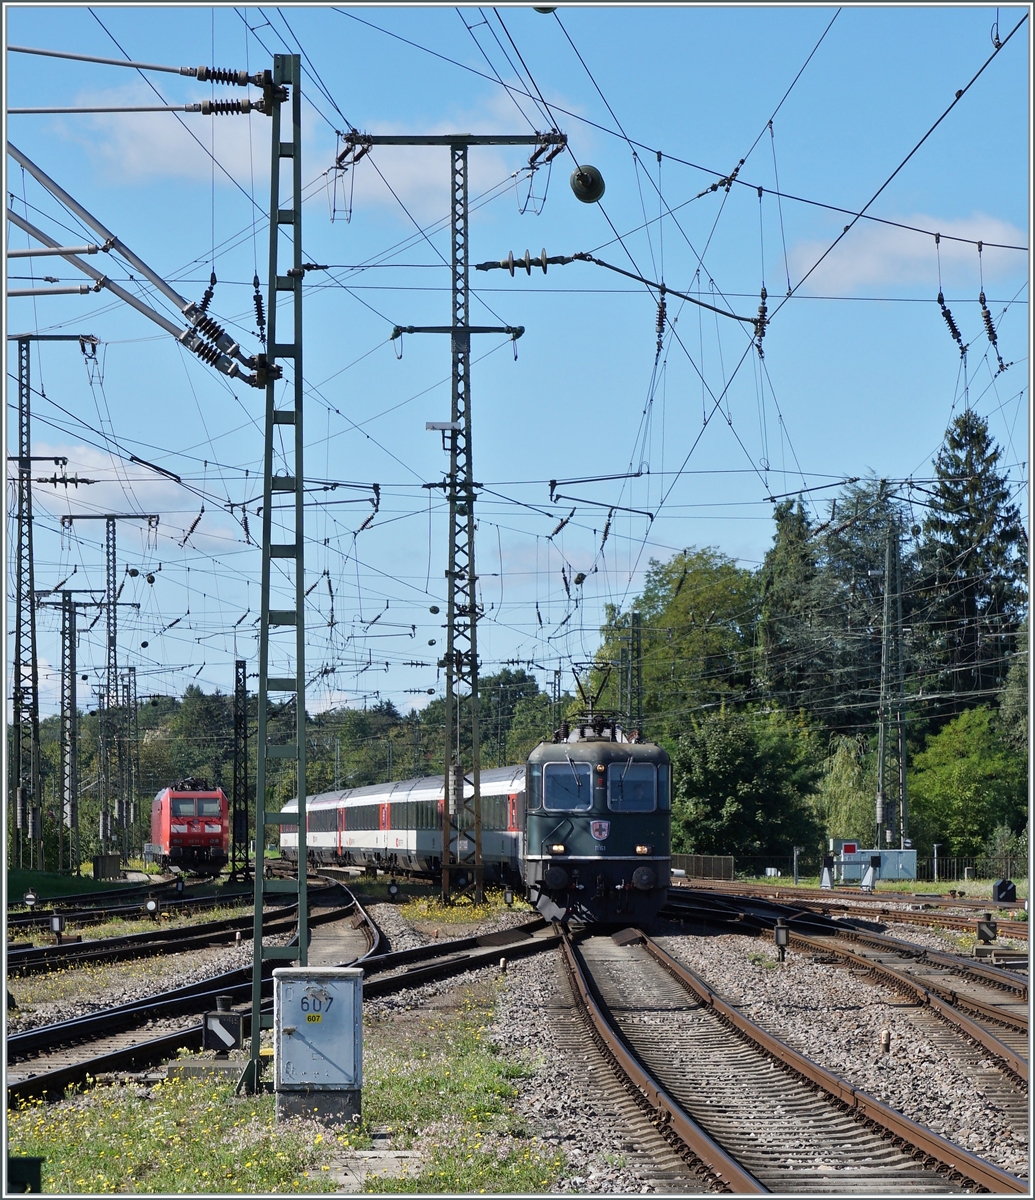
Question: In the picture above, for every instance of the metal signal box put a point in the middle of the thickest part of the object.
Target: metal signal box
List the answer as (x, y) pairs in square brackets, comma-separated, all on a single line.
[(318, 1042)]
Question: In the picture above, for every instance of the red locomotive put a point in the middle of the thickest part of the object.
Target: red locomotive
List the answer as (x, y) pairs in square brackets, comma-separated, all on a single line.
[(190, 827)]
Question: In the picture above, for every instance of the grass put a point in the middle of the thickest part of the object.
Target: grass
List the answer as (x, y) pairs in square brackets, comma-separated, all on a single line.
[(182, 1136), (973, 889), (463, 910), (440, 1084), (760, 959)]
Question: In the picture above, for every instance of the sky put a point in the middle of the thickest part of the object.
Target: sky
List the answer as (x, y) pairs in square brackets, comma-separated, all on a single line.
[(686, 444)]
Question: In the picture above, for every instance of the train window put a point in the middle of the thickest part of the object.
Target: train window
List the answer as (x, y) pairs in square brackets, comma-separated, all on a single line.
[(208, 808), (567, 786), (664, 792), (182, 806), (631, 786), (535, 786)]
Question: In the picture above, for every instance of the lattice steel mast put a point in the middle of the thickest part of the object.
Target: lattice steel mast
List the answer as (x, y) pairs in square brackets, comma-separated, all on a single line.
[(461, 815), (287, 550)]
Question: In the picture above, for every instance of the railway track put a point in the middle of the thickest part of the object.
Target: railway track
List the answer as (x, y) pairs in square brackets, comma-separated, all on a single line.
[(48, 1060), (917, 909), (34, 959), (39, 919), (753, 1112), (986, 1006)]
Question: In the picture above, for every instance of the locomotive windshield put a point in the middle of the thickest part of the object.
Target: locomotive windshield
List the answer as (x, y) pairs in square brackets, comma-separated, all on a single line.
[(182, 806), (209, 807), (631, 786), (567, 786)]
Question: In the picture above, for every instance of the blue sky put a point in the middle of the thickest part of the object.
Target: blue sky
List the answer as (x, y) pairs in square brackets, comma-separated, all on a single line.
[(859, 374)]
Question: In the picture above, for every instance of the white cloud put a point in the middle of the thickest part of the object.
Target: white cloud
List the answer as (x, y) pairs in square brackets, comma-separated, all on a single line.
[(872, 255), (139, 147)]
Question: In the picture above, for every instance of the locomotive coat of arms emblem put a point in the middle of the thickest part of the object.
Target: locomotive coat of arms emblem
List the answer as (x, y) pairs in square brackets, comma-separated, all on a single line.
[(599, 829)]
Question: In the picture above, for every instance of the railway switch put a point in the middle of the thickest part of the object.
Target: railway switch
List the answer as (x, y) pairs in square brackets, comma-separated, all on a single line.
[(318, 1042)]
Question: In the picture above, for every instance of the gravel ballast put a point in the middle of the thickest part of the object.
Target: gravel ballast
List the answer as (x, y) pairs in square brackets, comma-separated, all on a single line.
[(837, 1020)]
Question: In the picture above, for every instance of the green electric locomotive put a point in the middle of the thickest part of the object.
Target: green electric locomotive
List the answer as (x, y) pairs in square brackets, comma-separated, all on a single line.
[(597, 825)]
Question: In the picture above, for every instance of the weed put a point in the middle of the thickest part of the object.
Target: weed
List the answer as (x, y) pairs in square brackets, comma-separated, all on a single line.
[(463, 910), (760, 959), (184, 1135)]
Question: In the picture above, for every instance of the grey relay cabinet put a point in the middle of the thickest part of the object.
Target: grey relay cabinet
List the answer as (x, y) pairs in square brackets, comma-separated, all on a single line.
[(318, 1041)]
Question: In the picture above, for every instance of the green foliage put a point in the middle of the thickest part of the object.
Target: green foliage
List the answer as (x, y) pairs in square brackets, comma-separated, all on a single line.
[(698, 614), (743, 782), (789, 598), (1013, 700), (966, 783), (845, 801)]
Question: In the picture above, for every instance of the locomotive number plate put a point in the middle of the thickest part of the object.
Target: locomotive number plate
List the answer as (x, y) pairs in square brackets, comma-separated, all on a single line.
[(313, 1018)]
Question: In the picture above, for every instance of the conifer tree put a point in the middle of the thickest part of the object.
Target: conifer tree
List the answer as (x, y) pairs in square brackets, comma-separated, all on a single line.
[(974, 555)]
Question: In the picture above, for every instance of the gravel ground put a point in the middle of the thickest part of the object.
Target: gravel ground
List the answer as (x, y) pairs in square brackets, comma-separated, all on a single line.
[(75, 992), (552, 1102), (837, 1020)]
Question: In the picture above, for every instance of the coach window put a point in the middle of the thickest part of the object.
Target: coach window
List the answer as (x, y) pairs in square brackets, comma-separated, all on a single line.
[(567, 786), (208, 808), (631, 786), (664, 787), (182, 807), (535, 785)]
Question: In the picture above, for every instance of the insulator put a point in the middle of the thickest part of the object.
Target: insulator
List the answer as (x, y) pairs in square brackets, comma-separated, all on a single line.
[(989, 327), (952, 325), (211, 329), (225, 108), (206, 300), (222, 75), (207, 353), (19, 808), (661, 318), (260, 312)]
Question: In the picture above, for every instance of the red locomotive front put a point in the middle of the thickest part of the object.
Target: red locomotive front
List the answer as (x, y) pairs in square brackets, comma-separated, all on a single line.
[(190, 826)]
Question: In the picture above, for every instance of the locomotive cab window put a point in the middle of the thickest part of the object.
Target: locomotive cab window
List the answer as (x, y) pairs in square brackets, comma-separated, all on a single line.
[(183, 806), (664, 788), (208, 807), (535, 785), (631, 786), (567, 786)]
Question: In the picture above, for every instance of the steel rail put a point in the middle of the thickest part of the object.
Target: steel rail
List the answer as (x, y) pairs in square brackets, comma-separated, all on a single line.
[(946, 1003), (1000, 979), (935, 920), (670, 1114), (40, 919), (726, 912), (961, 1162), (36, 959), (123, 1016)]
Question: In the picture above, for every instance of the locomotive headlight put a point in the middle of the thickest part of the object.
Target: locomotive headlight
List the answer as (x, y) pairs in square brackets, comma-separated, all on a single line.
[(644, 849), (557, 848)]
